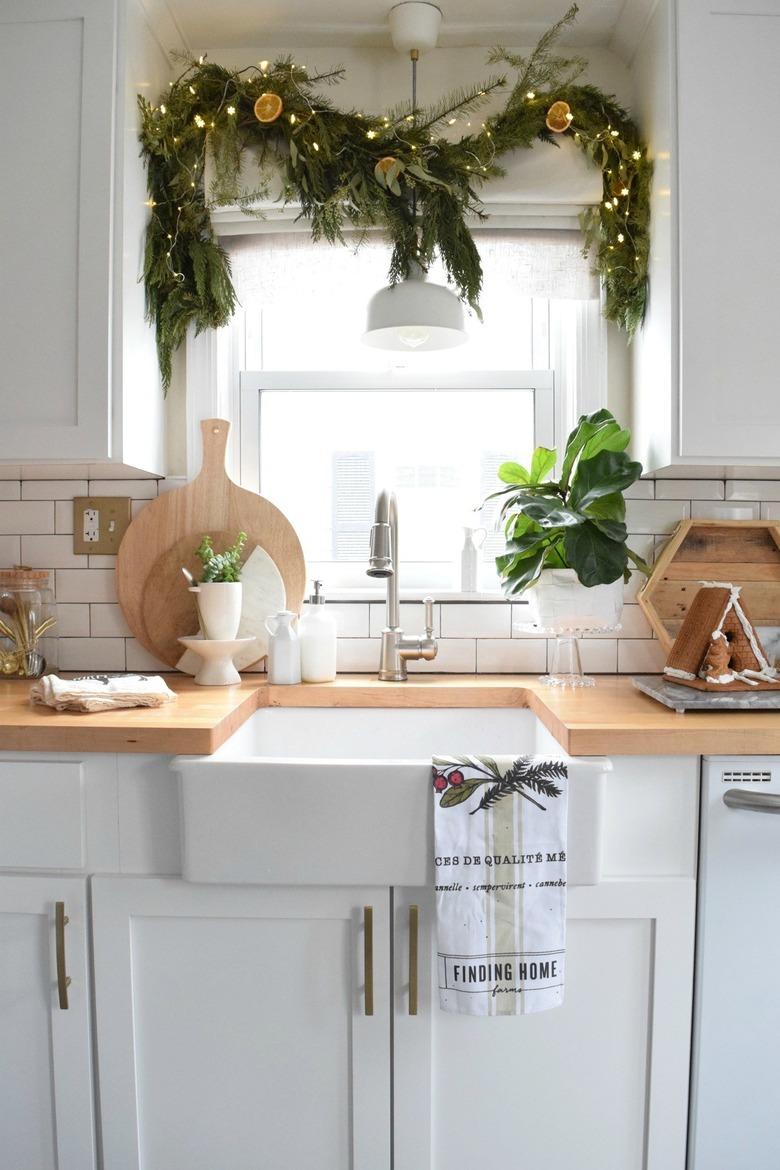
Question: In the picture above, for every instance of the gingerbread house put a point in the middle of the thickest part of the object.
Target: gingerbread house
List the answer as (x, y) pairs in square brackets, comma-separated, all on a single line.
[(718, 648)]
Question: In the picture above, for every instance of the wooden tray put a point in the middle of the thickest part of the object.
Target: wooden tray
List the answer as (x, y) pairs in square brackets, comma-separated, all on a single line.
[(152, 592), (742, 552)]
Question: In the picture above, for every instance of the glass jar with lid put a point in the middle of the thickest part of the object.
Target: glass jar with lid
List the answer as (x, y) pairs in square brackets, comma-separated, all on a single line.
[(28, 623)]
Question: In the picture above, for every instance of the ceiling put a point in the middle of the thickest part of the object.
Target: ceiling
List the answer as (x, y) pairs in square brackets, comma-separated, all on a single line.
[(232, 24)]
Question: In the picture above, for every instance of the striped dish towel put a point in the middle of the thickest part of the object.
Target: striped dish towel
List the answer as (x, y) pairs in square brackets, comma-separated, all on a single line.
[(500, 860)]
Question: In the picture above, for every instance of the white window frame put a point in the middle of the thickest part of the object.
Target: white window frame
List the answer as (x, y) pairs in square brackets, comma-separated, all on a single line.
[(253, 382)]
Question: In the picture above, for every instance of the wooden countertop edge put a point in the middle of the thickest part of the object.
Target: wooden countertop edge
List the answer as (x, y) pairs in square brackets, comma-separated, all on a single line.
[(610, 719)]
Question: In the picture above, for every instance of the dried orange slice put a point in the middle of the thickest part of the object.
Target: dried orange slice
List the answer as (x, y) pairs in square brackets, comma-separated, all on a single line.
[(386, 163), (559, 117), (268, 107)]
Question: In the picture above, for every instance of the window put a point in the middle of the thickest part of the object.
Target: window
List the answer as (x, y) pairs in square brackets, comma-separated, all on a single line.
[(326, 444), (433, 427)]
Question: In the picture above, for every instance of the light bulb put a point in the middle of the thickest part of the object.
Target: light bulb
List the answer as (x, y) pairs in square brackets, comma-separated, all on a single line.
[(413, 336)]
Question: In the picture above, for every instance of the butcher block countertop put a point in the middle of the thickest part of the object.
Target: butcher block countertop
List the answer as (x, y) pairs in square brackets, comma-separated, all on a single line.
[(609, 719)]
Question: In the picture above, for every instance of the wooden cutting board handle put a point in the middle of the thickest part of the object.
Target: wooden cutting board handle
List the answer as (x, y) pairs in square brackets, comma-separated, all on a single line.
[(215, 436)]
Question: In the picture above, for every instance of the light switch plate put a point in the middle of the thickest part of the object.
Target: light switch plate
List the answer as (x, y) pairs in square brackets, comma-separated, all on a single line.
[(99, 523)]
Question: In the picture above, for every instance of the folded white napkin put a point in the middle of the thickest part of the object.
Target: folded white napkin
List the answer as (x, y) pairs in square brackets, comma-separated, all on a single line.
[(101, 692), (500, 858)]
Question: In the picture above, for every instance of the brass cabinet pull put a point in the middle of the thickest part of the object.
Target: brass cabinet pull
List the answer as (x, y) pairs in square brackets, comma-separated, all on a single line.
[(61, 920), (368, 959), (414, 934)]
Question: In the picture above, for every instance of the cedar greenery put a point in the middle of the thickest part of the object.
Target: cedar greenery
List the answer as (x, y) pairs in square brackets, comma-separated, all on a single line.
[(575, 522), (350, 170)]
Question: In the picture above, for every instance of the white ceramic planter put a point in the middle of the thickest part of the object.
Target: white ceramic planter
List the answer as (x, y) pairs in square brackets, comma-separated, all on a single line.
[(219, 607), (559, 601)]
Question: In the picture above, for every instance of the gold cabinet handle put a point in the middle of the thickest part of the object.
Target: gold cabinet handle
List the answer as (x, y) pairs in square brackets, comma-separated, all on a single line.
[(414, 947), (368, 959), (61, 920)]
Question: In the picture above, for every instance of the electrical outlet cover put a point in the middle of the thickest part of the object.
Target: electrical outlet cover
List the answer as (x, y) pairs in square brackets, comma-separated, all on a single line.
[(99, 523)]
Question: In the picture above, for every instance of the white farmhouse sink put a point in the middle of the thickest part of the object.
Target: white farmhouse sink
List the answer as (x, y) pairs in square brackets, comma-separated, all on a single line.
[(343, 795)]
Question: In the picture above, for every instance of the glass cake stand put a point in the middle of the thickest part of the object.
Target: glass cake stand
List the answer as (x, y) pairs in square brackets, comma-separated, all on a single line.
[(566, 664)]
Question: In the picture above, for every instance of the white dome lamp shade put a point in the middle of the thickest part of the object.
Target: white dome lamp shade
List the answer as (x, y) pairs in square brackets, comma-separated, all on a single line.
[(413, 314)]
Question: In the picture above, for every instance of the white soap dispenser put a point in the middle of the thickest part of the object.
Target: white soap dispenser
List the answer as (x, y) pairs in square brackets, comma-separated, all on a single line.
[(317, 632)]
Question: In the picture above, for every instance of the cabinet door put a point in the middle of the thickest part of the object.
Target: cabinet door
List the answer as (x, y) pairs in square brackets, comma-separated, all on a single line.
[(45, 1063), (729, 254), (57, 87), (232, 1030), (600, 1083)]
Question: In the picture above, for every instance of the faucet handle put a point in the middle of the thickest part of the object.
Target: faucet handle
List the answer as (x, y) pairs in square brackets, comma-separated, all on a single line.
[(428, 603)]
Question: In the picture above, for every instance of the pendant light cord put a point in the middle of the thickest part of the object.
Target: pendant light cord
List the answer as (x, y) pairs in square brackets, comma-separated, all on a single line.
[(415, 57)]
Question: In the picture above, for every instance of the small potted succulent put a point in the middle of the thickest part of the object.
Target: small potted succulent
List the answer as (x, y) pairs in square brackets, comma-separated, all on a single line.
[(566, 547), (219, 593)]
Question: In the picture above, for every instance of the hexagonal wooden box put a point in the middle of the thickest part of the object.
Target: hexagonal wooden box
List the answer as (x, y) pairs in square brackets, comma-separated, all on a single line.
[(741, 552)]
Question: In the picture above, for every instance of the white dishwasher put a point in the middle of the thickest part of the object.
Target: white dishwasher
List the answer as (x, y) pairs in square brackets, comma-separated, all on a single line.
[(735, 1118)]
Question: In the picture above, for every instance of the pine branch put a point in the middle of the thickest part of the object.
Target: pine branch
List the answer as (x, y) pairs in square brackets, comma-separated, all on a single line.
[(460, 101), (524, 774)]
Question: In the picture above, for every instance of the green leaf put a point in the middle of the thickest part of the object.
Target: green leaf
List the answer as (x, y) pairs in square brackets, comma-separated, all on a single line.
[(459, 793), (613, 529), (605, 473), (611, 507), (587, 426), (513, 473), (595, 558), (524, 573), (548, 512), (542, 463), (609, 438), (527, 543)]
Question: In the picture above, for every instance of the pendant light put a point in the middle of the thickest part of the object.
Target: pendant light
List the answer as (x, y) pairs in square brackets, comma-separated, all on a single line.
[(413, 314)]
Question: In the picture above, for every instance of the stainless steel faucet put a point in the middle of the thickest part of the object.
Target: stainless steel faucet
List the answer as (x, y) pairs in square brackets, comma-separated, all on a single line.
[(397, 648)]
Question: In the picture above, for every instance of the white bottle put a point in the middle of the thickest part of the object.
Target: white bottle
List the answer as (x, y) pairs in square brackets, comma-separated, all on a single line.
[(469, 559), (318, 640), (284, 649)]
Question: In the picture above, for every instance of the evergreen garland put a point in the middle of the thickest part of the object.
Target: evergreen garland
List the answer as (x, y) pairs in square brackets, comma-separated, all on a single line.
[(398, 172)]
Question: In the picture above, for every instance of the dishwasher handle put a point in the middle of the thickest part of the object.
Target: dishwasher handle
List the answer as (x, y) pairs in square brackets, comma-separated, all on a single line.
[(763, 802)]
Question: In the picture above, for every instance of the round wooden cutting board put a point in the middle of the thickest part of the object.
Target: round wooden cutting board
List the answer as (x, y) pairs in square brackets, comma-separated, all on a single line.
[(151, 589)]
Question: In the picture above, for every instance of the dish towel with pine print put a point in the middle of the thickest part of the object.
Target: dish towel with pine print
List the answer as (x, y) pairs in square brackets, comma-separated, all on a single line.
[(500, 863)]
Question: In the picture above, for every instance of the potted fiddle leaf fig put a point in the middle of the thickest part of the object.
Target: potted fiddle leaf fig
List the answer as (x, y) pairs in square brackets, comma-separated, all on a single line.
[(566, 537)]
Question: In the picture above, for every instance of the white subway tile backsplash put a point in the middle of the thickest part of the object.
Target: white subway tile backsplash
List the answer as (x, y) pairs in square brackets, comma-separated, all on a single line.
[(770, 511), (86, 585), (752, 489), (63, 516), (10, 551), (10, 489), (53, 489), (634, 624), (137, 489), (689, 489), (25, 517), (598, 655), (477, 620), (640, 656), (107, 621), (351, 618), (656, 516), (51, 552), (357, 655), (643, 544), (724, 510), (138, 658), (73, 621), (511, 656), (455, 656), (91, 654)]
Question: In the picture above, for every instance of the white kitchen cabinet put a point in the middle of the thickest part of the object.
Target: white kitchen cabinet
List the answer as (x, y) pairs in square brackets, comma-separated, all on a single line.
[(46, 1119), (232, 1027), (706, 389), (79, 379), (598, 1084)]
